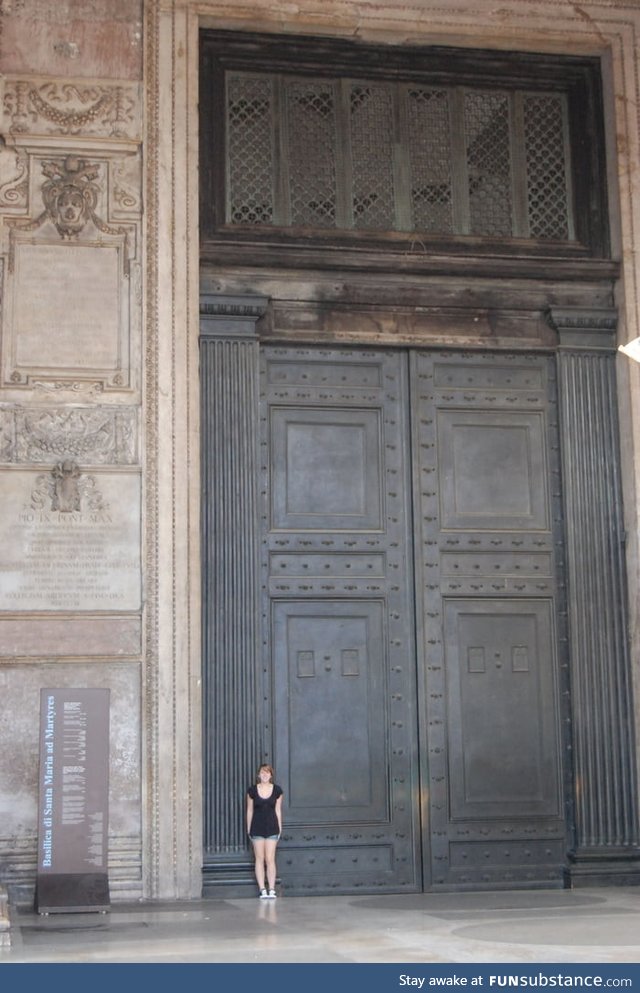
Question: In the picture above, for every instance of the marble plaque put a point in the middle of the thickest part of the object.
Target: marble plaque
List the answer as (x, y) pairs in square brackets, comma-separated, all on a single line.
[(67, 307), (69, 540)]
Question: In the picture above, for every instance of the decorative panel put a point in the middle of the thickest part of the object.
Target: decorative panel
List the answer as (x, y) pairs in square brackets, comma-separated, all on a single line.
[(326, 470), (329, 688), (428, 112), (372, 142), (547, 175), (250, 152), (311, 124), (502, 733), (480, 451), (72, 279), (487, 139)]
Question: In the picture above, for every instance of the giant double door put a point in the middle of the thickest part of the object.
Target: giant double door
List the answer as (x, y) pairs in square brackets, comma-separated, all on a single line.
[(412, 670)]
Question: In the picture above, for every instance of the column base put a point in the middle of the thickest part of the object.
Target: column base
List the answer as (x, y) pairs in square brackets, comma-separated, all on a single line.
[(228, 879), (603, 867)]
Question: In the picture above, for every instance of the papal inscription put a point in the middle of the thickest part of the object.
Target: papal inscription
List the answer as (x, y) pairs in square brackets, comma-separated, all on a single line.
[(69, 540)]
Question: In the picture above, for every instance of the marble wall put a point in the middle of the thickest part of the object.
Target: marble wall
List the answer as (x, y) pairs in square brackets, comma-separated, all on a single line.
[(70, 399)]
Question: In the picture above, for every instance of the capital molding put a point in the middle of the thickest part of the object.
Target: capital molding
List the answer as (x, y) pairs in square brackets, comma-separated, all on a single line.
[(591, 328)]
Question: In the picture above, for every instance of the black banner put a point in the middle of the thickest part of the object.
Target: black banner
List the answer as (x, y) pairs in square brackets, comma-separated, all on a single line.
[(73, 813)]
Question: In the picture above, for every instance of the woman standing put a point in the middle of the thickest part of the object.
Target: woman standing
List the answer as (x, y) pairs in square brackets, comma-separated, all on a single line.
[(264, 826)]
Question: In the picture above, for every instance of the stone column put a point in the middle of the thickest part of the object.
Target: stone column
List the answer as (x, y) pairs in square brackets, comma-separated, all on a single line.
[(605, 844), (231, 580)]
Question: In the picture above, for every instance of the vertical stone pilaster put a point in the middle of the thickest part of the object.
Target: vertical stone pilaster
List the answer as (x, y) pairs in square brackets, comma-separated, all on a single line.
[(605, 848), (231, 585)]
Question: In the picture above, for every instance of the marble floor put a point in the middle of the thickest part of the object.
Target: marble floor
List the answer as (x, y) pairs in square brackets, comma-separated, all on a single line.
[(584, 925)]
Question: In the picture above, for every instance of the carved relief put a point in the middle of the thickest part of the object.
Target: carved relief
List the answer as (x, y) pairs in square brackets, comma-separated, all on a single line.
[(71, 108), (70, 196), (126, 185), (94, 435), (14, 184), (70, 387), (68, 490)]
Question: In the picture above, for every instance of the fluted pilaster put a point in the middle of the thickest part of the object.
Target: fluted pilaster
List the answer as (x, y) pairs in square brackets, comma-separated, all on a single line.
[(606, 816), (230, 605)]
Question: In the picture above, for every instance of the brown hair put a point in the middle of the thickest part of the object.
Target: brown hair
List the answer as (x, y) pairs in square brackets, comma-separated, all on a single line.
[(264, 765)]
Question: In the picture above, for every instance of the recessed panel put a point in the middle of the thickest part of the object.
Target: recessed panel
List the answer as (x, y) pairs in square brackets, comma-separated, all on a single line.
[(330, 725), (326, 469), (492, 470), (501, 708)]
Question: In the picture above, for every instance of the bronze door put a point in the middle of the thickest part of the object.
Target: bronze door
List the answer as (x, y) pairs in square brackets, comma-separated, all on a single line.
[(410, 671)]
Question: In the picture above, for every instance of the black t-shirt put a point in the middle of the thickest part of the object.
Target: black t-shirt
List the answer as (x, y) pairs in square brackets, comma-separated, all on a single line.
[(264, 822)]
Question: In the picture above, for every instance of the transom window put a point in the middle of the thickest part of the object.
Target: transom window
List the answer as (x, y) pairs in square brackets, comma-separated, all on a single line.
[(372, 155), (341, 140)]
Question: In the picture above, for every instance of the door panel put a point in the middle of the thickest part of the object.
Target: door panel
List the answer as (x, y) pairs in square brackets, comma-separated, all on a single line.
[(329, 690), (339, 647), (325, 469), (502, 736), (488, 525), (478, 451)]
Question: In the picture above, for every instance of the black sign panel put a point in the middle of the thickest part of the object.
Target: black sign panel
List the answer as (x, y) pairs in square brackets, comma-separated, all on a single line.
[(73, 814)]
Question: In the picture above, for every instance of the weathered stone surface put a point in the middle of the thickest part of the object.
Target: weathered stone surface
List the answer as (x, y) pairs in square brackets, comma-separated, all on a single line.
[(20, 686), (70, 540), (70, 637), (73, 36)]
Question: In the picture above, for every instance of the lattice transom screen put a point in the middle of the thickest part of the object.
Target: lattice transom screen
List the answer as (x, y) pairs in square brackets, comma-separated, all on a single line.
[(375, 155)]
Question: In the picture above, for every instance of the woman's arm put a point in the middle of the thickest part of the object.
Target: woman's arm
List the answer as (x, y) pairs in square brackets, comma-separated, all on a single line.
[(279, 813), (249, 813)]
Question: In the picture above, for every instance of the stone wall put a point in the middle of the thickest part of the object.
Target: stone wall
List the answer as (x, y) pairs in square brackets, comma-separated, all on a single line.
[(70, 396)]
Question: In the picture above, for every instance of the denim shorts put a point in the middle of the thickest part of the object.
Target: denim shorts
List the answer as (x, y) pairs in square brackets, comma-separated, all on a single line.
[(261, 837)]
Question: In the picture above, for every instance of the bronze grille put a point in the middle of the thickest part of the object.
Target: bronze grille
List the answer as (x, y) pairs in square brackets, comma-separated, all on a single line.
[(318, 153)]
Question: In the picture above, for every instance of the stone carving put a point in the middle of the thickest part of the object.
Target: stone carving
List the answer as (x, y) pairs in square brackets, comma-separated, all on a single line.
[(71, 386), (126, 186), (14, 183), (67, 490), (71, 108), (94, 435), (70, 194)]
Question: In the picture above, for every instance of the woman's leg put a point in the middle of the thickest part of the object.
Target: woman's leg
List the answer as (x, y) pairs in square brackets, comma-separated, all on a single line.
[(270, 858), (259, 855)]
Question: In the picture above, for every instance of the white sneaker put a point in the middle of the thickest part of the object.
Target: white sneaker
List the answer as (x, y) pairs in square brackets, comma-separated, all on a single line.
[(264, 895), (271, 895)]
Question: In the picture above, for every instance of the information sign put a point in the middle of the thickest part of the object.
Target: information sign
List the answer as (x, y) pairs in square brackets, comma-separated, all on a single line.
[(72, 871)]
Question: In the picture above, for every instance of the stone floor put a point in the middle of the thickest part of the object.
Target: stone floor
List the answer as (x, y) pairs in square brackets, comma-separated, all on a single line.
[(584, 925)]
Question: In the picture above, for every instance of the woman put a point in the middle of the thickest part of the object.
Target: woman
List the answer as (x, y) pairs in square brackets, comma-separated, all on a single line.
[(264, 826)]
